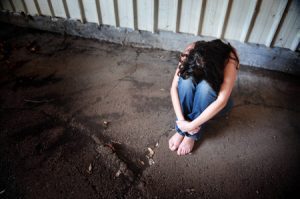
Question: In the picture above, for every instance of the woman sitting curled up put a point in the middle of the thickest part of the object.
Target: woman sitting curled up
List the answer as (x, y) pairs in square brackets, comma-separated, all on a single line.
[(201, 89)]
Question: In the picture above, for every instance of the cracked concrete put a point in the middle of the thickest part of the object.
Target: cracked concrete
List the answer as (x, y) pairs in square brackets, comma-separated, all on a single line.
[(78, 116)]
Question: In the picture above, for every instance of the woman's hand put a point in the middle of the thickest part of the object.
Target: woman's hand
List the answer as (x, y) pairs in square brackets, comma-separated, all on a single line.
[(187, 126)]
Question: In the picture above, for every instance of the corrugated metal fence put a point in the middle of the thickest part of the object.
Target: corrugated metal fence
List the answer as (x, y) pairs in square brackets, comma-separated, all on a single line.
[(268, 22)]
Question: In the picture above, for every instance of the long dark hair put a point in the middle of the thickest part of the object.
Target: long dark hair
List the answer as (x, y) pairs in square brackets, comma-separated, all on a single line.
[(207, 60)]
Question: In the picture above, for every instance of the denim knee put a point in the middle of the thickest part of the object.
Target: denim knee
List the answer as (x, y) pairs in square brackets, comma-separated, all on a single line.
[(186, 85), (204, 89)]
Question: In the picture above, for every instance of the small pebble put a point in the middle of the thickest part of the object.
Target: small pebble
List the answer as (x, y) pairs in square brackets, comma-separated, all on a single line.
[(151, 162)]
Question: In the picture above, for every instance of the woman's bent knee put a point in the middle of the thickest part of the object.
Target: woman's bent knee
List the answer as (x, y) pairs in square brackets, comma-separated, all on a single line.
[(186, 84), (205, 89)]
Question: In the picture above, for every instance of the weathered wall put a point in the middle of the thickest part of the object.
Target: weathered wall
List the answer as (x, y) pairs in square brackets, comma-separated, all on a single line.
[(266, 32)]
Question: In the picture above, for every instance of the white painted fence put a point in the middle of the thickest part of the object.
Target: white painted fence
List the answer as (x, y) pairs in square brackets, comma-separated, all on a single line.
[(274, 23)]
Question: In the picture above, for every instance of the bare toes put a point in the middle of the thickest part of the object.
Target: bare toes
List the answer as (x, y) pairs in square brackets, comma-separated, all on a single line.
[(186, 146), (175, 141)]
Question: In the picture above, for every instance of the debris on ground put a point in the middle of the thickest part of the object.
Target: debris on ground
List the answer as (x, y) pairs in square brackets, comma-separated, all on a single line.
[(123, 169), (116, 142), (90, 169), (149, 156), (141, 162), (151, 152), (38, 101), (190, 190), (111, 147), (106, 123), (118, 173), (151, 162), (33, 47)]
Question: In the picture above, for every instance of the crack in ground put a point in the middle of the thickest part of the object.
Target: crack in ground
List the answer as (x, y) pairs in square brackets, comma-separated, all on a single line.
[(126, 167)]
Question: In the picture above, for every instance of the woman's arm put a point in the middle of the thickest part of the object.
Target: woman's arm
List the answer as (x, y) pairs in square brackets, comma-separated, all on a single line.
[(175, 98), (174, 88), (176, 102), (230, 74)]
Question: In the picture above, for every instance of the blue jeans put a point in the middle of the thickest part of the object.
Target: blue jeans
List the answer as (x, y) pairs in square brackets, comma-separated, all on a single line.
[(194, 99)]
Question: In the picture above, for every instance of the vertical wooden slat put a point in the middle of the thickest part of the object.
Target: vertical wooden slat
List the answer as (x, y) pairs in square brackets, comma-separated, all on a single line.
[(37, 7), (155, 16), (82, 13), (135, 14), (58, 8), (13, 6), (99, 11), (222, 19), (126, 13), (108, 12), (51, 8), (66, 8), (295, 42), (18, 6), (25, 6), (248, 21), (267, 21), (31, 8), (145, 12), (239, 19), (90, 11), (288, 33), (44, 7), (116, 12), (276, 21), (7, 5), (178, 15), (74, 9), (190, 16), (215, 12), (167, 15), (201, 17)]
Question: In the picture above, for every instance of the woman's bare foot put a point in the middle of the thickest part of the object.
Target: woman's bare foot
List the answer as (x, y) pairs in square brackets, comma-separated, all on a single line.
[(186, 146), (175, 141)]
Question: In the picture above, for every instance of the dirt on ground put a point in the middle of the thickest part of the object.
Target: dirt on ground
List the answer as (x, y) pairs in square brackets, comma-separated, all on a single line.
[(80, 118)]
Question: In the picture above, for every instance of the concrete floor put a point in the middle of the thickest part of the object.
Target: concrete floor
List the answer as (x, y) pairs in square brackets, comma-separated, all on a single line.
[(78, 117)]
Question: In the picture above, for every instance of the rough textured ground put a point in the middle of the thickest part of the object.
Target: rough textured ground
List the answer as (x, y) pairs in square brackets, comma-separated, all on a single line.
[(77, 118)]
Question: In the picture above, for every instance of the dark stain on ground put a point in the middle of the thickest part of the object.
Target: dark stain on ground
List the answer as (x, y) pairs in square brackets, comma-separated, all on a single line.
[(49, 98), (32, 130), (5, 50), (18, 64), (35, 81), (110, 116), (46, 146), (151, 104), (137, 84)]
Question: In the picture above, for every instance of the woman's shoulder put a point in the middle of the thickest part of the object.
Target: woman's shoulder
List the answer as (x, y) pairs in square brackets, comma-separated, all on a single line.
[(189, 47), (234, 59)]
